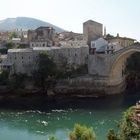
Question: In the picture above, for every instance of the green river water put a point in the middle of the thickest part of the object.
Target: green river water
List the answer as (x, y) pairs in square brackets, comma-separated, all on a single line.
[(101, 114)]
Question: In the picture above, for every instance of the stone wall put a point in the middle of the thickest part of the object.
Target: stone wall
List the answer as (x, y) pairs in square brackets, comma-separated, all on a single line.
[(99, 64), (87, 86), (24, 60)]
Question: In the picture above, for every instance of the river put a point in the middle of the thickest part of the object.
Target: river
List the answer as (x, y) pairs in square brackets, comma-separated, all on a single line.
[(101, 114)]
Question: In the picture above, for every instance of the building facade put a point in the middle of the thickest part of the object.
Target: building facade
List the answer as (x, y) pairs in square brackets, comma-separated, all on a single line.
[(41, 37), (24, 60), (122, 41)]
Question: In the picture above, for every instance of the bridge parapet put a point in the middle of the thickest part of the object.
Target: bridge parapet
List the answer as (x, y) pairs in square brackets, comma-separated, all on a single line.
[(125, 50)]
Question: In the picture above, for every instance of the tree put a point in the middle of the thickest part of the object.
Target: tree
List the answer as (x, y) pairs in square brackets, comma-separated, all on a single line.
[(17, 81), (21, 46), (4, 76), (82, 133), (52, 138), (45, 73), (128, 131), (109, 36), (12, 35), (9, 45), (111, 135)]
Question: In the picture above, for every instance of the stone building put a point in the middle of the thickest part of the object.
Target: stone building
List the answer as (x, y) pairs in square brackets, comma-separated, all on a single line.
[(41, 43), (122, 41), (92, 30), (24, 60), (42, 36), (4, 36), (70, 39), (18, 61), (102, 46)]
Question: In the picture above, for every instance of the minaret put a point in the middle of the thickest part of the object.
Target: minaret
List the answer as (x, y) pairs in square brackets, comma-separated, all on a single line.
[(104, 31)]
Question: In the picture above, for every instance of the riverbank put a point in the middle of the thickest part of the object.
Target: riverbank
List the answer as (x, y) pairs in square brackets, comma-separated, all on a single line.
[(41, 101)]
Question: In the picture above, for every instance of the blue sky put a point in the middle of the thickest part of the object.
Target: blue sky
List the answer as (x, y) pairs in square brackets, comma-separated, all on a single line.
[(119, 16)]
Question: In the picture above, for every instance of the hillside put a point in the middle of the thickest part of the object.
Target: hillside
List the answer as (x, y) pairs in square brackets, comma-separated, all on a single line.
[(24, 23)]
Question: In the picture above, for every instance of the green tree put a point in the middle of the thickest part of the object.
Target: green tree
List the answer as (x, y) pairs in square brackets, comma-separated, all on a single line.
[(45, 73), (4, 77), (9, 45), (3, 51), (52, 138), (21, 46), (82, 133), (128, 130), (17, 81), (111, 135), (109, 36), (12, 35)]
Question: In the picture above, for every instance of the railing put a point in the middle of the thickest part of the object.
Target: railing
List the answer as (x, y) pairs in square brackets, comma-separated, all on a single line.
[(126, 48)]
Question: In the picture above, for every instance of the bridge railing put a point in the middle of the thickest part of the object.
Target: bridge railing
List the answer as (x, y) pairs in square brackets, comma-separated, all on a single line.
[(117, 53), (126, 48)]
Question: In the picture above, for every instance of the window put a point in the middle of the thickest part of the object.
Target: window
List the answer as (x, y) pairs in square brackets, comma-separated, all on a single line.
[(22, 57)]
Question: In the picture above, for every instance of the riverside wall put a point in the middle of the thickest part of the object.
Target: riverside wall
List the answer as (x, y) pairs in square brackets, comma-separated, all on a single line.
[(87, 86)]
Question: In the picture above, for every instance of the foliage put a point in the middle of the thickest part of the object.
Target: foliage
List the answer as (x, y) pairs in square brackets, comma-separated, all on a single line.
[(21, 46), (46, 71), (109, 36), (12, 35), (52, 138), (9, 45), (82, 133), (133, 63), (3, 51), (4, 75), (132, 71), (17, 81), (128, 130), (137, 43), (111, 135)]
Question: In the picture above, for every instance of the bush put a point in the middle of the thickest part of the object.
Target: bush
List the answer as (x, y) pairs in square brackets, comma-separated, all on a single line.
[(111, 135), (17, 81), (82, 133), (4, 77), (128, 131), (52, 138), (45, 73)]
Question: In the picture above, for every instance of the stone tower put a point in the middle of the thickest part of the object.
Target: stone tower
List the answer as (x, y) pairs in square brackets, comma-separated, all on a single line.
[(105, 32), (92, 30)]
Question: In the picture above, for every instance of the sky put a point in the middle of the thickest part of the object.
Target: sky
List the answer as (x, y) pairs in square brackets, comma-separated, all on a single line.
[(119, 16)]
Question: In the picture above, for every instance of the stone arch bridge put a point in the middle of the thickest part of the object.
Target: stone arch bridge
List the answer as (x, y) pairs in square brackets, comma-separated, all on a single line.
[(109, 68)]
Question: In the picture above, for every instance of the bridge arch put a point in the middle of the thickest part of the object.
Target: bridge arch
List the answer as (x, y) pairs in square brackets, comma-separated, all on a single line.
[(118, 64)]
